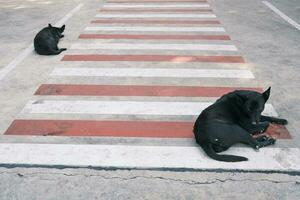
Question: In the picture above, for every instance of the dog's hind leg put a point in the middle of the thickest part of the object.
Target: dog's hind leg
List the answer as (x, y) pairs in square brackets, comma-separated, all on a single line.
[(273, 120), (246, 138), (62, 49), (237, 134), (218, 148)]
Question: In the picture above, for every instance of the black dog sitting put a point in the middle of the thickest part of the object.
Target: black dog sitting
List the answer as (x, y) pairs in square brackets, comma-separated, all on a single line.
[(233, 119), (45, 42)]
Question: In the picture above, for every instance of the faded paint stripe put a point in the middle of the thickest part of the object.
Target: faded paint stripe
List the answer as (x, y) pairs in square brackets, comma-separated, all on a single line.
[(156, 129), (123, 16), (136, 90), (154, 37), (282, 15), (145, 157), (155, 29), (156, 1), (151, 72), (168, 22), (155, 58), (151, 46), (157, 10), (123, 108), (117, 5)]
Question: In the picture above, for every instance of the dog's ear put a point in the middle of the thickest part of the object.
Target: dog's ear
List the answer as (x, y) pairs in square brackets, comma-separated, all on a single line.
[(49, 25), (266, 94), (62, 28)]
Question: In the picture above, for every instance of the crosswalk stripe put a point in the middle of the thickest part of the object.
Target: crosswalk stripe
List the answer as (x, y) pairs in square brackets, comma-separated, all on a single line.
[(151, 72), (136, 90), (111, 5), (159, 21), (155, 10), (156, 1), (153, 37), (193, 16), (102, 128), (149, 129), (145, 157), (154, 58), (122, 107), (154, 29), (151, 46)]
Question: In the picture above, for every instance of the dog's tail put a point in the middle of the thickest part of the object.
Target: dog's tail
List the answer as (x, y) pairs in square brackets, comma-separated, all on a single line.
[(207, 147)]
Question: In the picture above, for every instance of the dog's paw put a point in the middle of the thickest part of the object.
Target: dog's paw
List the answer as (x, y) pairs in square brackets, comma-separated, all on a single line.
[(271, 140), (63, 49), (256, 148), (264, 141), (262, 138)]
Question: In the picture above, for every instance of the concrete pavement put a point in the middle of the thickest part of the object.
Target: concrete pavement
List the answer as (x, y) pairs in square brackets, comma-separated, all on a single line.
[(80, 184)]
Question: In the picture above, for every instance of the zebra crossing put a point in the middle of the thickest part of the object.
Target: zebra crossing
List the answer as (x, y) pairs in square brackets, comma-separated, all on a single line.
[(176, 42)]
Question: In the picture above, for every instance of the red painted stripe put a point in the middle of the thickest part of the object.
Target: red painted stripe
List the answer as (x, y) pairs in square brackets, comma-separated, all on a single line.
[(154, 37), (136, 90), (101, 128), (156, 1), (157, 10), (278, 131), (142, 21), (154, 58), (155, 129)]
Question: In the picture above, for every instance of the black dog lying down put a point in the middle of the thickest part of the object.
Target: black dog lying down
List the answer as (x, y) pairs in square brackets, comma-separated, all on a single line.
[(233, 119), (45, 42)]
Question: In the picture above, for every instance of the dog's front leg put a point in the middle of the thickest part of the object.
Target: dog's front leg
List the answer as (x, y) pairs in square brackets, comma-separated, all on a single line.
[(258, 128), (273, 120)]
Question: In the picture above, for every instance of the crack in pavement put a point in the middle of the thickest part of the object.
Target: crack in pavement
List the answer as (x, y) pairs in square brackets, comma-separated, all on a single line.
[(189, 182)]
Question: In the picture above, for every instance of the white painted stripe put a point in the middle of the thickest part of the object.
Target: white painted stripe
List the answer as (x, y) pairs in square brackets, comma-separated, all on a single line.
[(156, 15), (153, 72), (110, 5), (13, 64), (155, 28), (149, 46), (69, 15), (122, 107), (281, 14), (146, 157), (29, 50)]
